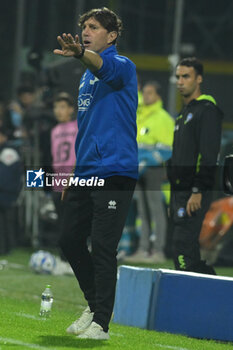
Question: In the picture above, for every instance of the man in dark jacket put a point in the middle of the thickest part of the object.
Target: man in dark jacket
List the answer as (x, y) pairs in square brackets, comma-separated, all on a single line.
[(191, 169), (10, 185)]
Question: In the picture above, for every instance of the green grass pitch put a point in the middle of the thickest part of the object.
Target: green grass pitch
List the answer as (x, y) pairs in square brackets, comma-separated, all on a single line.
[(21, 328)]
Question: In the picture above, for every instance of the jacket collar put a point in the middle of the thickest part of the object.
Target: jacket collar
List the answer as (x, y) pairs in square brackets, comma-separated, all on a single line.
[(207, 98), (110, 50), (203, 97)]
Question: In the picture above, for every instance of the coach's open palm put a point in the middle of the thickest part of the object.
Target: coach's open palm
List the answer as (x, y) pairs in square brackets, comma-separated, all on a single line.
[(69, 46)]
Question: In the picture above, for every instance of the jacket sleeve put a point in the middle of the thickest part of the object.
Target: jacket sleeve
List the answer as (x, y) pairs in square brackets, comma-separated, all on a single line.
[(116, 71), (209, 135)]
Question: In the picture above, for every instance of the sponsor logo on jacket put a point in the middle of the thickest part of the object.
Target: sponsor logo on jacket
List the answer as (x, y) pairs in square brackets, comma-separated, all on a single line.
[(188, 118), (84, 102)]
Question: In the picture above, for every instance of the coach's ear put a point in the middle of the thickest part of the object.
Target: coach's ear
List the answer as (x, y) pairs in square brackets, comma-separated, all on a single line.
[(228, 175)]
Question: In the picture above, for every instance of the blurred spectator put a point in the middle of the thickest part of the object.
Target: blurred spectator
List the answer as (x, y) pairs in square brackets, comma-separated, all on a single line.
[(129, 238), (10, 184), (26, 98), (155, 136), (33, 121), (140, 96), (5, 119), (217, 222), (63, 137)]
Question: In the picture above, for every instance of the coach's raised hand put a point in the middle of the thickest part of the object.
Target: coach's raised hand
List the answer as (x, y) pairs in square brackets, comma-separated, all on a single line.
[(69, 46)]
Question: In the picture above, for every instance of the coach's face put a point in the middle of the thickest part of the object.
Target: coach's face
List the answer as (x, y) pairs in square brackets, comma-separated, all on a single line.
[(95, 37), (187, 80)]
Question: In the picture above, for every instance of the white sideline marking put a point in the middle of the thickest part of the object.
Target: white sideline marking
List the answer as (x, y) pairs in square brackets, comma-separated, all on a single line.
[(5, 263), (19, 342), (160, 345), (116, 334), (81, 307), (170, 347), (21, 314)]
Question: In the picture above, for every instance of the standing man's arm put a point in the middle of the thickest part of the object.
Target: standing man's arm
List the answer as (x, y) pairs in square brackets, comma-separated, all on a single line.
[(71, 47)]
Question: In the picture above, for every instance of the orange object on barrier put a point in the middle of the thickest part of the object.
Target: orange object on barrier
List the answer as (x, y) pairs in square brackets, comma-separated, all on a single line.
[(217, 222)]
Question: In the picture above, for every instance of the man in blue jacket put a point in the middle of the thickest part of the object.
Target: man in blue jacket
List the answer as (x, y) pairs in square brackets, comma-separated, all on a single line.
[(106, 149)]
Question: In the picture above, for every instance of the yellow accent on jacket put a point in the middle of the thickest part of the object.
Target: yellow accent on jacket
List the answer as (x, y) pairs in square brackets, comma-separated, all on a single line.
[(155, 125)]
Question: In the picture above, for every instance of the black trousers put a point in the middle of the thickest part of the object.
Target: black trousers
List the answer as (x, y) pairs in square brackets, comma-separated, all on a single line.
[(186, 249), (98, 213), (7, 232)]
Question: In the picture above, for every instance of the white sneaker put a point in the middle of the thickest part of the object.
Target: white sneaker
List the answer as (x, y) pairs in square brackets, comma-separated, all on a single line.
[(82, 323), (94, 331), (139, 256), (157, 258)]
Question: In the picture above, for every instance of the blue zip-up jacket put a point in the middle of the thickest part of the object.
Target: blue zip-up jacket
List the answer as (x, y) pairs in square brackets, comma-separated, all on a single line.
[(106, 142)]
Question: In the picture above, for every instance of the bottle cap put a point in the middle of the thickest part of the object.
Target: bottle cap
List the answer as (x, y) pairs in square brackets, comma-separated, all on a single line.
[(48, 286)]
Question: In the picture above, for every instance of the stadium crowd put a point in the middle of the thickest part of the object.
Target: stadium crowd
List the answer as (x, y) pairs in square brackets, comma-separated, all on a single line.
[(36, 129), (36, 132)]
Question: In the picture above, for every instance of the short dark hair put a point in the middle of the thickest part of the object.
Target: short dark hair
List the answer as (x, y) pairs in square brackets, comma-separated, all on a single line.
[(155, 85), (64, 96), (107, 18), (22, 89), (192, 62)]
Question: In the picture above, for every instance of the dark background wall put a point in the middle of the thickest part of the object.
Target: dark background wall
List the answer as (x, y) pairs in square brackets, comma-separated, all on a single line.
[(7, 36), (207, 29)]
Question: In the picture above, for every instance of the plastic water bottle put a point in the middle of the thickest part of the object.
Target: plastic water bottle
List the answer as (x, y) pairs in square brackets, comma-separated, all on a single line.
[(46, 302)]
